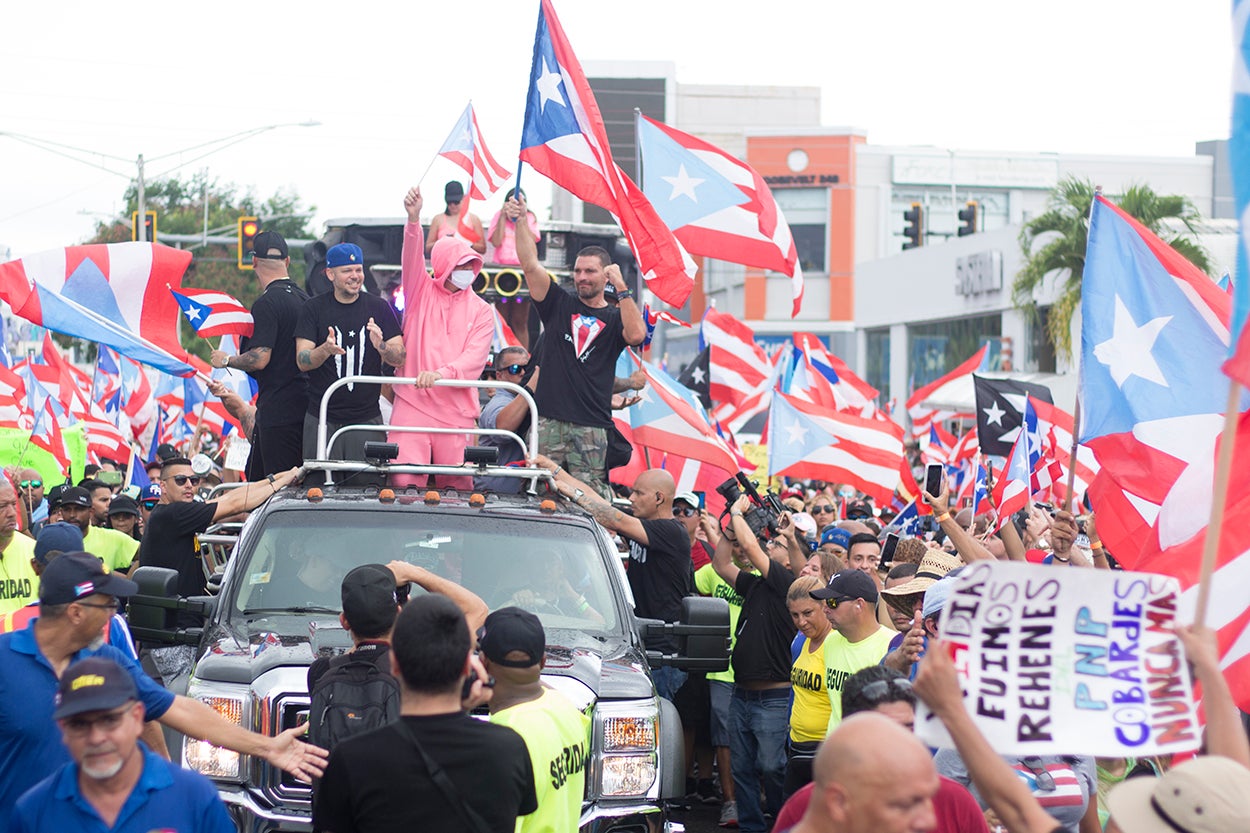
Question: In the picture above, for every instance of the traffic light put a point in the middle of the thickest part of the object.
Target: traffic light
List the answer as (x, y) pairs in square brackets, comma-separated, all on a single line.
[(968, 219), (248, 229), (913, 229), (149, 226)]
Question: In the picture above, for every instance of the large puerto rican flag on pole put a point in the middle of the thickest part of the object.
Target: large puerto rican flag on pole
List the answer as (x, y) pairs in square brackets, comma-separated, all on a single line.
[(564, 139), (466, 148), (716, 205), (115, 294)]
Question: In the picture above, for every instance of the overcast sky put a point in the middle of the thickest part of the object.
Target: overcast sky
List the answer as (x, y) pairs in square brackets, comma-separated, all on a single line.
[(388, 80)]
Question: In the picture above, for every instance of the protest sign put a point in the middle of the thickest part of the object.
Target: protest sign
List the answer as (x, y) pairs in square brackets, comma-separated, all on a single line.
[(17, 449), (1068, 662)]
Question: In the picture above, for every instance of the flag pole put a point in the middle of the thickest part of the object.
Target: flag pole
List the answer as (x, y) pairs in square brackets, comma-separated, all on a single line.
[(1223, 465), (1076, 441)]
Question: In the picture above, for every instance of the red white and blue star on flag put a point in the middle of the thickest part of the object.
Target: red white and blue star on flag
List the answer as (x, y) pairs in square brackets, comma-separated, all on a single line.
[(564, 138), (213, 313), (716, 205), (115, 294)]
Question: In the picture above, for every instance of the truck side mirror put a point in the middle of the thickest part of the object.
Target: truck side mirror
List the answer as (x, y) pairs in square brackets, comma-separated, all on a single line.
[(702, 634)]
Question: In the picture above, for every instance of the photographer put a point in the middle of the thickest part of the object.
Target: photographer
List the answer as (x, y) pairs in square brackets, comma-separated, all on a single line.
[(760, 705), (660, 572)]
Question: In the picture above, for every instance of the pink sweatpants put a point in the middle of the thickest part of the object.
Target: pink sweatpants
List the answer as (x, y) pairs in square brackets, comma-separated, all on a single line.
[(440, 449)]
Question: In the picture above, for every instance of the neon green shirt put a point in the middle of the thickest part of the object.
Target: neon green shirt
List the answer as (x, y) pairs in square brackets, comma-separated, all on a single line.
[(19, 586), (842, 659), (116, 549), (558, 738), (709, 583)]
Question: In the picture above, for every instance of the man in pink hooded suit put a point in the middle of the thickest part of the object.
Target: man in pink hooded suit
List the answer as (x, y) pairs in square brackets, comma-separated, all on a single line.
[(447, 335)]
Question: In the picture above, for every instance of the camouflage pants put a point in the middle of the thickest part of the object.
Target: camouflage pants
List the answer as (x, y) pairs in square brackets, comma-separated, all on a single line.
[(581, 449)]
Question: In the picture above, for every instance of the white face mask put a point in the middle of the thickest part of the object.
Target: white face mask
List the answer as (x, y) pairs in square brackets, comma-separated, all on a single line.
[(462, 278)]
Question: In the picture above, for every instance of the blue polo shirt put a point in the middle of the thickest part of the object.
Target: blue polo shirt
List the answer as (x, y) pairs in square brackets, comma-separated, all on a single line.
[(30, 740), (166, 798)]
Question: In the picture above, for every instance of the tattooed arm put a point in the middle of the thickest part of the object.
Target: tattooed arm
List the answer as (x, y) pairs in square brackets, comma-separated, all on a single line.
[(607, 515), (309, 357)]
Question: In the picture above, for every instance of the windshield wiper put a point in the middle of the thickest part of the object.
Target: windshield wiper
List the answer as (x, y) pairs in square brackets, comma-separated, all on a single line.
[(260, 610)]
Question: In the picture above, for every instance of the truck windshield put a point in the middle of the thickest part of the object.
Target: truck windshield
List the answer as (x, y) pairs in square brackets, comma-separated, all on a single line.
[(555, 570)]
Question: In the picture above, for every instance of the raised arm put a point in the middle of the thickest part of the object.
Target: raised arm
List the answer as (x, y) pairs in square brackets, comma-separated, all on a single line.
[(536, 277), (969, 548), (412, 261), (251, 495), (632, 326), (607, 515), (746, 538), (470, 603), (244, 412), (1225, 734), (723, 561)]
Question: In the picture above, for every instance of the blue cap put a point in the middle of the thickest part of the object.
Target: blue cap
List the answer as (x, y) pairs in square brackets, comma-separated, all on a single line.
[(836, 535), (935, 597), (344, 254), (152, 491), (60, 536)]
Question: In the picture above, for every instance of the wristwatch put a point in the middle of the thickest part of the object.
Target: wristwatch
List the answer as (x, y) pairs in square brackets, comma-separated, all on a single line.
[(624, 294)]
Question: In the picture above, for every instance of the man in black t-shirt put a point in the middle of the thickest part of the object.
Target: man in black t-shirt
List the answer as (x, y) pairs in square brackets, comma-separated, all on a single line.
[(586, 335), (268, 356), (380, 781), (170, 541), (660, 573), (760, 706), (346, 332)]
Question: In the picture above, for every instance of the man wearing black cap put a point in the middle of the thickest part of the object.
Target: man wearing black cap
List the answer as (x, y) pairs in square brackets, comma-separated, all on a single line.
[(859, 639), (76, 598), (268, 356), (448, 223), (124, 517), (18, 582), (346, 332), (375, 780), (112, 778), (114, 548), (514, 648)]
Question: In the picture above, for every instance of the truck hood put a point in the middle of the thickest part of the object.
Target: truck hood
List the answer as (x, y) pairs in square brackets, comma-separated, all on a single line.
[(608, 665)]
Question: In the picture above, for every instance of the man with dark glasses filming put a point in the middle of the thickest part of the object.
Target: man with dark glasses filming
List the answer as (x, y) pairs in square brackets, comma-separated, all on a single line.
[(170, 541)]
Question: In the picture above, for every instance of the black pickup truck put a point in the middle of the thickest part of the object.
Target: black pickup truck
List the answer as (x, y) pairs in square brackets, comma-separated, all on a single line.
[(278, 605)]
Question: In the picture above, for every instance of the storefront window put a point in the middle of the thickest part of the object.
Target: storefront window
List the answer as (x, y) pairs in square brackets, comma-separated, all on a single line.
[(936, 348), (807, 212), (877, 362)]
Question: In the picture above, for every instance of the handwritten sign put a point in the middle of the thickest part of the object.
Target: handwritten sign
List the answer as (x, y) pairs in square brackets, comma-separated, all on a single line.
[(1068, 662)]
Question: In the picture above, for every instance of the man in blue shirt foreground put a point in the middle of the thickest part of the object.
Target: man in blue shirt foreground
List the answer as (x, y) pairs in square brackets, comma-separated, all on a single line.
[(114, 783), (77, 596)]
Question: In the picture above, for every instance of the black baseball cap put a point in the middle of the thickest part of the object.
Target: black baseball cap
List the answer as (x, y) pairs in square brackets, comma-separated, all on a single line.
[(53, 495), (122, 505), (369, 602), (76, 575), (847, 585), (264, 243), (453, 192), (75, 496), (165, 451), (94, 684), (513, 629)]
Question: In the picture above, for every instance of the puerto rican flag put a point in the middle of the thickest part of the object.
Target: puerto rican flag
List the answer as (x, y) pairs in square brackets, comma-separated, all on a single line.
[(466, 148), (13, 410), (922, 416), (1011, 490), (736, 364), (503, 337), (810, 442), (1056, 425), (213, 313), (46, 434), (854, 391), (115, 294), (716, 205), (564, 138)]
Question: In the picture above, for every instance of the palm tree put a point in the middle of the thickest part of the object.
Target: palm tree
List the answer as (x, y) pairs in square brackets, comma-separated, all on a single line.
[(1054, 242)]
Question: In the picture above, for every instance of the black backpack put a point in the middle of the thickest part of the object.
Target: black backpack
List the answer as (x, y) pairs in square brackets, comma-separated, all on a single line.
[(351, 697)]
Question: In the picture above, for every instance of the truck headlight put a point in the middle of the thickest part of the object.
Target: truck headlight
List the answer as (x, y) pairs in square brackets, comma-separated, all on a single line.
[(627, 733), (200, 755)]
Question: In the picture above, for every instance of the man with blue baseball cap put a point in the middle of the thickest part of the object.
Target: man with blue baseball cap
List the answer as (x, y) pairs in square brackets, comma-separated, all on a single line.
[(113, 778), (342, 333), (268, 356)]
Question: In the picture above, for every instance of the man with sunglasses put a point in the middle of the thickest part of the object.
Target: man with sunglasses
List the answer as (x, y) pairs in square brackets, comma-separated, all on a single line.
[(860, 640), (116, 549), (509, 412), (30, 487), (77, 595), (170, 541)]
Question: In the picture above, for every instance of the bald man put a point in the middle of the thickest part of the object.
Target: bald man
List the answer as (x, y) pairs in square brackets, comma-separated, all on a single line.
[(871, 776), (660, 572)]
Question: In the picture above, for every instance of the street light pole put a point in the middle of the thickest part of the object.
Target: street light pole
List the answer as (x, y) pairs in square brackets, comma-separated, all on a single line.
[(141, 222)]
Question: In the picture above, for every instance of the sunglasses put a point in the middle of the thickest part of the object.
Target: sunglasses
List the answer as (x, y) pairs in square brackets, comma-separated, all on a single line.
[(514, 369), (1045, 781), (113, 605), (685, 511), (31, 484), (882, 690), (108, 721), (823, 508), (183, 479), (150, 504), (832, 604)]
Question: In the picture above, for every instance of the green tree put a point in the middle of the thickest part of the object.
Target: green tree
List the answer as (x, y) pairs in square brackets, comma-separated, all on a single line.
[(179, 206), (1054, 243)]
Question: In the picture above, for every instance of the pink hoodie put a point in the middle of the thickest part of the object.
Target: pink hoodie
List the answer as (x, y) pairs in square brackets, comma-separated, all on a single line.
[(448, 332)]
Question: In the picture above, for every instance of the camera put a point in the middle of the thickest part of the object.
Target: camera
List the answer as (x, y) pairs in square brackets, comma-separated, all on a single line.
[(765, 509)]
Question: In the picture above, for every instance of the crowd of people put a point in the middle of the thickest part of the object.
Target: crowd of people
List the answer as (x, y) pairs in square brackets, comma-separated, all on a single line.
[(809, 728)]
